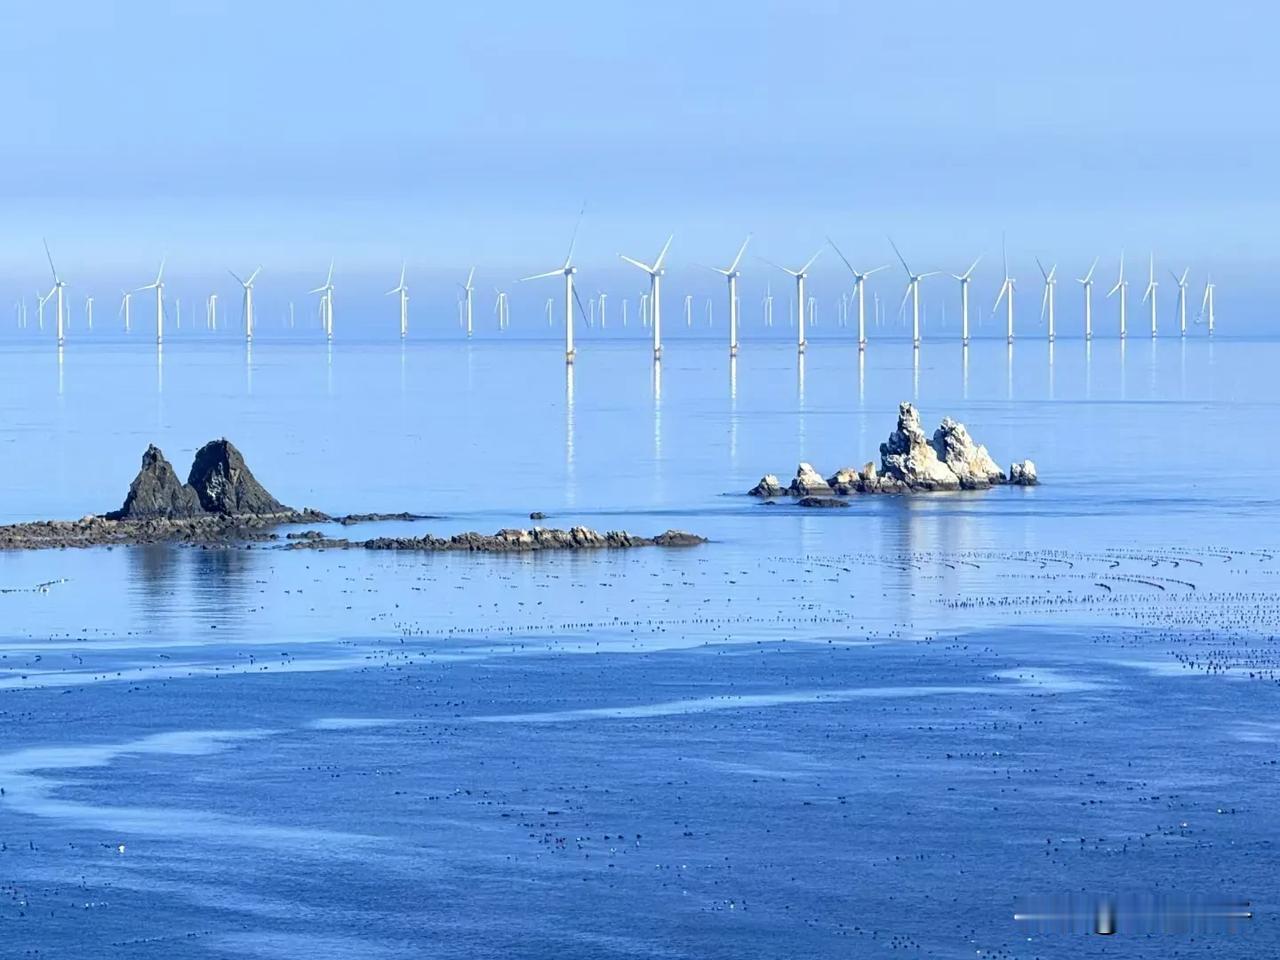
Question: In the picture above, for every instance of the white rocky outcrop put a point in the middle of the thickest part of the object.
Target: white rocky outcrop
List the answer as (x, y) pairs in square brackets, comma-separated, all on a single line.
[(1023, 474), (968, 460), (809, 483)]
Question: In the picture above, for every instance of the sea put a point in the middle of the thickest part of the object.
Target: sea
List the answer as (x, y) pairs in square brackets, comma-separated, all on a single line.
[(1028, 722)]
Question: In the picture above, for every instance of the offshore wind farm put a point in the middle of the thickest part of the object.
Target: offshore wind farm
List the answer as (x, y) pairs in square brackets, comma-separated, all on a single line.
[(720, 480)]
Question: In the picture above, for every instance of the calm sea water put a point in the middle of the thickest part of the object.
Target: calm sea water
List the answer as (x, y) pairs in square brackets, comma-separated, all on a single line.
[(838, 733)]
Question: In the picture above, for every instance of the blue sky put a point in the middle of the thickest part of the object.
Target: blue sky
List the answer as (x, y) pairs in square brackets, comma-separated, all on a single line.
[(230, 133)]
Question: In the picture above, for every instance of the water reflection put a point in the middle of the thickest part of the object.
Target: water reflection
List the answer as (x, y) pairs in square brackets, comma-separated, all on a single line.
[(1124, 368), (1051, 370), (1008, 365), (61, 361), (657, 418), (159, 368), (862, 376), (800, 378), (569, 431), (964, 370), (1088, 369), (248, 367)]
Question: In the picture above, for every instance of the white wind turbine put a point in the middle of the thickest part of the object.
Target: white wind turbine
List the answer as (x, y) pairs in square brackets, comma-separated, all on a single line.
[(1122, 287), (468, 290), (1207, 302), (1006, 294), (1181, 281), (688, 309), (247, 303), (912, 291), (403, 291), (1046, 301), (211, 312), (800, 276), (158, 286), (767, 303), (88, 311), (58, 286), (567, 271), (1087, 282), (326, 303), (500, 308), (126, 298), (859, 279), (1151, 292), (655, 273), (965, 279), (732, 273)]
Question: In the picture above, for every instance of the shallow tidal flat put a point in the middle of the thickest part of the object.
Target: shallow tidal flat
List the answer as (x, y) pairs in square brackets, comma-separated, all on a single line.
[(848, 733)]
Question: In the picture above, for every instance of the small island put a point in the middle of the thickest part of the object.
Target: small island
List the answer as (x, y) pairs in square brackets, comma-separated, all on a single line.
[(910, 462), (223, 504)]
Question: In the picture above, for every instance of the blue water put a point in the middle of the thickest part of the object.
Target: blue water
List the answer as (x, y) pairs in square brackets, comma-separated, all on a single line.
[(837, 733)]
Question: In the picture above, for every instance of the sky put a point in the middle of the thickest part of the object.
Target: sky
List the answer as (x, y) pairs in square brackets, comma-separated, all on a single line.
[(228, 134)]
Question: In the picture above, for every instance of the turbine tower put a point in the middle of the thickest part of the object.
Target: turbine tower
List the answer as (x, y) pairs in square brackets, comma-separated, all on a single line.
[(211, 311), (1181, 281), (326, 303), (1151, 292), (800, 276), (1122, 287), (158, 286), (126, 297), (965, 279), (912, 291), (1006, 294), (655, 273), (858, 291), (58, 286), (247, 303), (403, 291), (1046, 301), (1087, 282), (567, 271), (468, 290), (732, 273)]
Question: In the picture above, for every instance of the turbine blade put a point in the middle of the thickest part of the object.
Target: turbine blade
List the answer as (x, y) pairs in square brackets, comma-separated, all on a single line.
[(253, 276), (906, 293), (972, 267), (1044, 301), (636, 263), (559, 272), (901, 259), (657, 264), (52, 268), (843, 257), (741, 250), (1089, 276), (805, 268), (574, 238)]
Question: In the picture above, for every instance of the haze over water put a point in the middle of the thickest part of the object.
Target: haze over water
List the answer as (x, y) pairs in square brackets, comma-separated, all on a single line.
[(823, 733)]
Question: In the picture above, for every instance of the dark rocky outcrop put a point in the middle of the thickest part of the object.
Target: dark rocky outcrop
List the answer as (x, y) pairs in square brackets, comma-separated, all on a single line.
[(910, 462), (225, 484), (821, 502), (157, 494), (504, 541)]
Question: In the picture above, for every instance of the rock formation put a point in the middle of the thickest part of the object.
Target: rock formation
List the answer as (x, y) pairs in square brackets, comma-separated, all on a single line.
[(910, 461), (157, 494), (220, 485), (1023, 474), (504, 541), (226, 485)]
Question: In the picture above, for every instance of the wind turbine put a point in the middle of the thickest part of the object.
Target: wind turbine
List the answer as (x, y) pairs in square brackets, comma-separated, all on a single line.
[(767, 303), (1050, 282), (158, 286), (58, 286), (732, 273), (403, 291), (468, 290), (567, 271), (1121, 287), (248, 302), (800, 276), (211, 311), (688, 309), (1151, 292), (603, 297), (1207, 302), (1006, 294), (88, 311), (965, 279), (500, 308), (912, 291), (1181, 281), (1087, 281), (655, 273), (326, 303), (125, 301)]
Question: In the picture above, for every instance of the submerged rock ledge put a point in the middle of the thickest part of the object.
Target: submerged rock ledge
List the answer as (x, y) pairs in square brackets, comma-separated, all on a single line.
[(223, 504), (910, 462)]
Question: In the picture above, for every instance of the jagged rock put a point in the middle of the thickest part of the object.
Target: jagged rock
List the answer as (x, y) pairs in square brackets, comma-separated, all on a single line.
[(1023, 474), (821, 502), (845, 481), (769, 486), (808, 482), (678, 538), (908, 457), (226, 486), (156, 493), (969, 461), (537, 515)]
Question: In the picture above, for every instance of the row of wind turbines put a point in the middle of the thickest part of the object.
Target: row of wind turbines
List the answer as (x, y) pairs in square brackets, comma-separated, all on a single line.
[(652, 302)]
